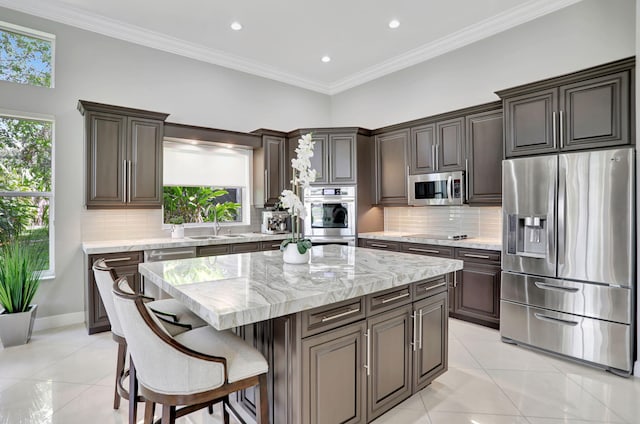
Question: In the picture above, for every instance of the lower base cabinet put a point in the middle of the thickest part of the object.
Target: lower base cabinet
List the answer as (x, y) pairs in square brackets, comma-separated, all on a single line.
[(352, 361)]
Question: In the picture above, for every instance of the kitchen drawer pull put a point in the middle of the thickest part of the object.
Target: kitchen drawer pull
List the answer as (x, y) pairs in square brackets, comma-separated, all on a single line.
[(472, 255), (391, 299), (118, 259), (276, 245), (339, 315), (417, 249), (542, 317), (435, 287), (384, 246), (547, 286)]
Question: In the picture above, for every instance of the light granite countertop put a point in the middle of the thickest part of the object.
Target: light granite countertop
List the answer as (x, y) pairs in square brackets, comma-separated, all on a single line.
[(114, 246), (234, 290), (471, 243)]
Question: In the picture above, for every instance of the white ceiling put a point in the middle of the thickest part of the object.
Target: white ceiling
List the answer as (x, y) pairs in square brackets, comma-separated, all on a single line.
[(285, 39)]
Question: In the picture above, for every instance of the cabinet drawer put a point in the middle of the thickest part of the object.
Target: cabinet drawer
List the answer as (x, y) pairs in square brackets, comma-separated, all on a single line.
[(388, 299), (253, 246), (116, 260), (270, 245), (429, 287), (213, 250), (380, 244), (475, 255), (325, 318), (428, 249)]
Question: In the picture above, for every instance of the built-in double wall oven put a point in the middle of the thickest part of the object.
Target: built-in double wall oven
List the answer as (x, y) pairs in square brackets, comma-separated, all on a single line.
[(331, 215)]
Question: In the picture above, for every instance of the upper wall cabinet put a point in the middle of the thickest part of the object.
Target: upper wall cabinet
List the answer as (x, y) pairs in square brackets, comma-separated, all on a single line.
[(124, 156), (587, 109), (391, 169), (334, 154), (484, 157), (269, 173), (437, 146)]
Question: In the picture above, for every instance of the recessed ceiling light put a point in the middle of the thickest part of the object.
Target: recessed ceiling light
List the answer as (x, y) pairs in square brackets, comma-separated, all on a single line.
[(393, 24), (326, 59), (236, 26)]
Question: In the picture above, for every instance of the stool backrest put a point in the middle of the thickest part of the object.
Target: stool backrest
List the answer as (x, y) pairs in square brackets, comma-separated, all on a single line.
[(162, 364), (105, 277)]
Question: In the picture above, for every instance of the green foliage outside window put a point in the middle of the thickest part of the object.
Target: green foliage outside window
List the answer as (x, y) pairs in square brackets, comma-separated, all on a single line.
[(185, 205), (25, 59)]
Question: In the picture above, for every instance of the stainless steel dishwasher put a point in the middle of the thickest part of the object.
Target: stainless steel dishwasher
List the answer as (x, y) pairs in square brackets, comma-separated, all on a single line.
[(157, 255)]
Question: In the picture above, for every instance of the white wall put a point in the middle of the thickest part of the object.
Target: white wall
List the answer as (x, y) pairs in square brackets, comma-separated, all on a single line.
[(586, 34), (97, 68)]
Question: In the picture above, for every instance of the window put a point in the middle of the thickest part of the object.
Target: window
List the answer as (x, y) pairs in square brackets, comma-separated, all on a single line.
[(26, 184), (204, 183), (26, 56)]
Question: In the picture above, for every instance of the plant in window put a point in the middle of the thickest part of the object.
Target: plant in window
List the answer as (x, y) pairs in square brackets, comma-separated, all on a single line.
[(303, 175), (197, 204)]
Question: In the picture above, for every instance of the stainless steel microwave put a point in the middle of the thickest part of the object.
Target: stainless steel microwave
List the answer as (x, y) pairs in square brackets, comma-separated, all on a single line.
[(442, 188)]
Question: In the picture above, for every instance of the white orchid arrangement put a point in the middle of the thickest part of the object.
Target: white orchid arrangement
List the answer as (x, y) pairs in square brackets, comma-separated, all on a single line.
[(303, 175)]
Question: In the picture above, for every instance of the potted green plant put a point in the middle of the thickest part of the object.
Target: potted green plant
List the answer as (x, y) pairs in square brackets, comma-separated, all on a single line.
[(21, 265)]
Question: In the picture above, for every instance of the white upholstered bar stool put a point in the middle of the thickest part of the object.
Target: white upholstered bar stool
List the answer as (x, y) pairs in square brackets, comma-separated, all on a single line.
[(193, 369), (175, 317)]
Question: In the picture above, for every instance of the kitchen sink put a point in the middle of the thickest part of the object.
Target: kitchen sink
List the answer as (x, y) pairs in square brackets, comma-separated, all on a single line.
[(203, 237)]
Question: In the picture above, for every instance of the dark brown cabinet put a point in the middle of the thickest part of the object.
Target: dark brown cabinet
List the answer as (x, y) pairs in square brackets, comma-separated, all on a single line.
[(125, 264), (391, 167), (334, 155), (431, 351), (333, 366), (269, 169), (437, 146), (423, 149), (587, 109), (477, 287), (379, 244), (124, 156), (484, 143)]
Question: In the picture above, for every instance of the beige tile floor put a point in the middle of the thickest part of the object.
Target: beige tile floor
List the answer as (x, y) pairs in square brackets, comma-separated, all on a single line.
[(64, 376)]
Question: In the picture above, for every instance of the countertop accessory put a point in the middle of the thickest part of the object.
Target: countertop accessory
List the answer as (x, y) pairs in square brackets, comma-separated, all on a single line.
[(290, 199)]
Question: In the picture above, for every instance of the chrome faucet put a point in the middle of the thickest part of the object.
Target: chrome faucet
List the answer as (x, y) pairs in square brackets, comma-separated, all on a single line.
[(216, 224)]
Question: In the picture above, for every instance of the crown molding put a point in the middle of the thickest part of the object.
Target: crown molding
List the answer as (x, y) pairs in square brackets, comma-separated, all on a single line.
[(508, 19), (112, 28)]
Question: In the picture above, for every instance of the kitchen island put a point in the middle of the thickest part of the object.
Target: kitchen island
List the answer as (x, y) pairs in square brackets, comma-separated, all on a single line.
[(347, 336)]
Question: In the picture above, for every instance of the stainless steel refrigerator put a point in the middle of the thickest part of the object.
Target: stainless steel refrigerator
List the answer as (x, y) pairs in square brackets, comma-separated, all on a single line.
[(568, 255)]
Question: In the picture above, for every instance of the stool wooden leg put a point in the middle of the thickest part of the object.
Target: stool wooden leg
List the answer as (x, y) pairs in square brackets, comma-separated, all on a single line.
[(168, 414), (133, 392), (122, 356), (264, 401), (225, 413), (149, 410)]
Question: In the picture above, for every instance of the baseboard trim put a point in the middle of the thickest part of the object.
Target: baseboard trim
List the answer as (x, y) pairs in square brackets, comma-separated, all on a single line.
[(55, 321)]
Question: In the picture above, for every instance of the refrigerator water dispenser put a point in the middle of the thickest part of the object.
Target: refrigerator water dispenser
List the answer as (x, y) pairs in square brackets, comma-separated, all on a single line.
[(527, 236)]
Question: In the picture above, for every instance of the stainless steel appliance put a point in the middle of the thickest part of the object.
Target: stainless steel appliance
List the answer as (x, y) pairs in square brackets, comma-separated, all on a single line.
[(275, 222), (442, 188), (568, 280), (331, 215)]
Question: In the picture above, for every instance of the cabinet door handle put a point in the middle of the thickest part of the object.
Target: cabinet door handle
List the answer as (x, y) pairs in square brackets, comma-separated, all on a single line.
[(384, 246), (367, 365), (437, 158), (339, 315), (391, 299), (554, 129), (417, 249), (472, 255), (562, 129), (455, 279), (420, 331), (129, 179), (435, 286), (118, 259), (466, 179), (433, 157), (415, 326), (266, 186), (125, 175)]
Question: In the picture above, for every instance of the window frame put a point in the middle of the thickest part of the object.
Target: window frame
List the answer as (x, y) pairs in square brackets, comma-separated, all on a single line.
[(30, 116), (34, 33)]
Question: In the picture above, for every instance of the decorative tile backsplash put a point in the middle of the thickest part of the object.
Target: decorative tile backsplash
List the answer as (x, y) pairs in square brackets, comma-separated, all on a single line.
[(482, 222), (127, 224)]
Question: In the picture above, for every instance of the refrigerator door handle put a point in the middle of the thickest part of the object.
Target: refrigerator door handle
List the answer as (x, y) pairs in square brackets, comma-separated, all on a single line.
[(547, 286), (543, 317), (562, 199)]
